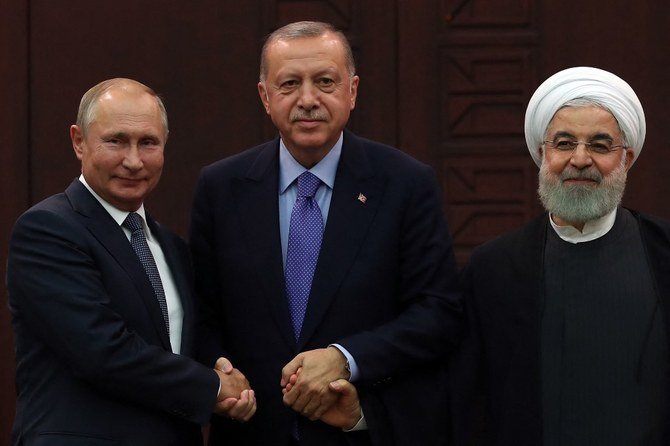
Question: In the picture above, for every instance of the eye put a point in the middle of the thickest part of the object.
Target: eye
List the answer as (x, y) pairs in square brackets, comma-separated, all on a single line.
[(112, 142), (325, 83), (289, 85), (565, 144), (600, 146)]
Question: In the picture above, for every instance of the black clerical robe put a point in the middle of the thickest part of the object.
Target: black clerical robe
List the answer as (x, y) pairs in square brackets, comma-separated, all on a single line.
[(496, 383)]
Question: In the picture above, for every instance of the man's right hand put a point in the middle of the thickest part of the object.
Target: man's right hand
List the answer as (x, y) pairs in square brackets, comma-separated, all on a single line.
[(235, 400)]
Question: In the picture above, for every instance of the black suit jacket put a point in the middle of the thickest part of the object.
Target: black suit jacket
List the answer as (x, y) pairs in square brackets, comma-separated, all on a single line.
[(94, 364), (381, 289), (496, 374)]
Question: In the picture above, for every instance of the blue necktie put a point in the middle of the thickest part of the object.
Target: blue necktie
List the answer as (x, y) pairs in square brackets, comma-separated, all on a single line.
[(133, 222), (304, 242)]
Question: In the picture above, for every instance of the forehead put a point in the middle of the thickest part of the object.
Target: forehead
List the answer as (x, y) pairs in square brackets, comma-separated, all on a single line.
[(124, 108), (584, 121), (305, 53)]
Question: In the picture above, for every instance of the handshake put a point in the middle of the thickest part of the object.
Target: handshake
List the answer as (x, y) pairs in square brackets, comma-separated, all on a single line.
[(314, 384)]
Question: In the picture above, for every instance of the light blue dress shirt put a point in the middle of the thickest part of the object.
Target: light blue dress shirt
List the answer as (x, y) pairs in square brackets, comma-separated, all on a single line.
[(325, 170)]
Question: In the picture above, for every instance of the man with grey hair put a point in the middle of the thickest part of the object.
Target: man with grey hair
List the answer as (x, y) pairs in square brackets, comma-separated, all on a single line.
[(101, 297), (567, 342), (322, 256)]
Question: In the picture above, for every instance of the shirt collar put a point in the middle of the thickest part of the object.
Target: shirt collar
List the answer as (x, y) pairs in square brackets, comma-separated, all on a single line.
[(592, 230), (290, 169), (118, 215)]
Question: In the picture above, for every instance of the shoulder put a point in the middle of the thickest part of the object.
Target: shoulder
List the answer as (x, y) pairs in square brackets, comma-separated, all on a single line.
[(653, 226), (519, 242), (54, 208), (240, 163)]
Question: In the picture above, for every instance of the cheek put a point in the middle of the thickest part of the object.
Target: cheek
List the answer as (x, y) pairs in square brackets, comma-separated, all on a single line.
[(554, 165), (154, 163)]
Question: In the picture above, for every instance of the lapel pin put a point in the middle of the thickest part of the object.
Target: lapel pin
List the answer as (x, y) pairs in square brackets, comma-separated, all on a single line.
[(362, 198)]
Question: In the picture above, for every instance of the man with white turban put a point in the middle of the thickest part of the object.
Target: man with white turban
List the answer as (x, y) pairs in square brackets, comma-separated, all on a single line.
[(567, 343)]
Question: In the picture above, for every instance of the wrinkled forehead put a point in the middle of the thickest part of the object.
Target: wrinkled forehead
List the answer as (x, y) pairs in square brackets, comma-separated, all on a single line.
[(588, 121)]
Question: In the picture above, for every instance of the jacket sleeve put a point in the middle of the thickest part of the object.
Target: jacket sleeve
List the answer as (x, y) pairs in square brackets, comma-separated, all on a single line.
[(428, 323)]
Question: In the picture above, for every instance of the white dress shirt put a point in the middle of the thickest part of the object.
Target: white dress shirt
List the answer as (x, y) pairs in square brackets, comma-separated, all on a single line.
[(175, 310)]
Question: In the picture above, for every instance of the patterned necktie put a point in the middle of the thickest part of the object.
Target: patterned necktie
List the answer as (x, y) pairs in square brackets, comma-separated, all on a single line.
[(133, 222), (304, 242)]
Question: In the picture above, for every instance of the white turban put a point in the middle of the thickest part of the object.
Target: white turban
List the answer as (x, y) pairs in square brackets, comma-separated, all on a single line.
[(594, 84)]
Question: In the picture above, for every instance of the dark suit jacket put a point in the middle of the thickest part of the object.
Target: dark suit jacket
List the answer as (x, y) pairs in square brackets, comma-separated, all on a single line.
[(496, 375), (381, 288), (94, 365)]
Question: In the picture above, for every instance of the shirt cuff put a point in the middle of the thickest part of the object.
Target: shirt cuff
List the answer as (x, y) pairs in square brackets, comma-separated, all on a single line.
[(362, 425), (353, 367)]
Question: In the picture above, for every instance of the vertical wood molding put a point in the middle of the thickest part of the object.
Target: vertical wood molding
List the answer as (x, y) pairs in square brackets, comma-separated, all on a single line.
[(418, 83), (14, 178)]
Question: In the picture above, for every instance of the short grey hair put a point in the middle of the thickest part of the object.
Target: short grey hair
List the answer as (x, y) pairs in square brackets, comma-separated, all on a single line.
[(298, 30), (89, 102)]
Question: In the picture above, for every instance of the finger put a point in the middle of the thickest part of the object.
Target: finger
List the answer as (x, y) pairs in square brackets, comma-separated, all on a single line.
[(294, 378), (222, 407), (251, 409), (291, 396), (317, 406), (224, 365), (300, 404), (290, 368), (241, 407)]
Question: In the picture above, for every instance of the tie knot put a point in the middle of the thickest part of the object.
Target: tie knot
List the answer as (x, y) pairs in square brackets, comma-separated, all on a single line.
[(308, 183), (133, 222)]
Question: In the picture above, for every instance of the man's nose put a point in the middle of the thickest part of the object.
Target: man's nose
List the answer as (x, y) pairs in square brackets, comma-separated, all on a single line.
[(308, 98), (581, 157), (133, 160)]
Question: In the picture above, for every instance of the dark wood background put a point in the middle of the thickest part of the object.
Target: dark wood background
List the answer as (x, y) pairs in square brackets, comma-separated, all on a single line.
[(445, 80)]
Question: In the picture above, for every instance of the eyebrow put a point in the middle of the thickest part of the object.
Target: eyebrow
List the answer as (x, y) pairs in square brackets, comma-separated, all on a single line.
[(597, 136)]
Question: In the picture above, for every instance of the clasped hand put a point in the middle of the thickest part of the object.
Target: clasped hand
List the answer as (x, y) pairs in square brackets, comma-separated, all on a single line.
[(308, 392), (236, 399)]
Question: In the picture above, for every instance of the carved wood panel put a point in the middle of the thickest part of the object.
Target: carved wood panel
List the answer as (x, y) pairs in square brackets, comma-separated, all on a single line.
[(487, 72)]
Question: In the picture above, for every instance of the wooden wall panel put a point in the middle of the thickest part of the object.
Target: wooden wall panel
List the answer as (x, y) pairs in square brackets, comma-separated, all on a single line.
[(631, 42), (14, 178), (487, 72), (445, 80), (201, 56), (370, 27)]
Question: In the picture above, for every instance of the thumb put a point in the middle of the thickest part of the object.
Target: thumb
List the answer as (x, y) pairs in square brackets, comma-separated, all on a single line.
[(223, 365), (342, 386)]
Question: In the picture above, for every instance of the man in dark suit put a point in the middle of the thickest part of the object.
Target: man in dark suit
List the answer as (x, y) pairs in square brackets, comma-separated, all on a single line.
[(350, 279), (568, 316), (101, 300)]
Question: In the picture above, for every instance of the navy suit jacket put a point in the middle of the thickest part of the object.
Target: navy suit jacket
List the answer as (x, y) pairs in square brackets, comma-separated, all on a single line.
[(94, 364), (381, 289)]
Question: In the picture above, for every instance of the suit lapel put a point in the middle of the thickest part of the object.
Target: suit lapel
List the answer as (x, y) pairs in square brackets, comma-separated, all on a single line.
[(111, 237), (349, 220), (257, 203)]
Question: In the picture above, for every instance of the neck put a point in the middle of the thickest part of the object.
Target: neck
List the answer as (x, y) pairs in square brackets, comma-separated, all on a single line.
[(308, 158)]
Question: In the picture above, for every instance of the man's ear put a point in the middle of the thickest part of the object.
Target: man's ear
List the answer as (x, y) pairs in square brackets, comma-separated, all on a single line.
[(630, 157), (77, 137), (353, 90)]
